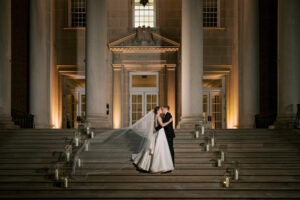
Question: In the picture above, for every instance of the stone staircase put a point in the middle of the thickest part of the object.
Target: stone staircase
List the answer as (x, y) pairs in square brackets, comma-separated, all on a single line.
[(269, 163)]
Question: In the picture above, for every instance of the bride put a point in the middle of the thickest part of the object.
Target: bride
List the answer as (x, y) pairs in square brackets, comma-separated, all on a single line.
[(155, 156)]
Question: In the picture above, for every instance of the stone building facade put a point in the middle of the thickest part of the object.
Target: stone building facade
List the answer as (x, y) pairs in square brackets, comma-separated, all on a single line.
[(89, 59)]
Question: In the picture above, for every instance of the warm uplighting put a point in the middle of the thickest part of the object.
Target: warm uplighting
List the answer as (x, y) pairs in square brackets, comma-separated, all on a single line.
[(232, 111), (117, 99), (117, 122), (55, 100), (232, 120)]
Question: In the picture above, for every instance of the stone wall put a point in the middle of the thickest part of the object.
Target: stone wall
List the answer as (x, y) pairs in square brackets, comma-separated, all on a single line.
[(218, 42)]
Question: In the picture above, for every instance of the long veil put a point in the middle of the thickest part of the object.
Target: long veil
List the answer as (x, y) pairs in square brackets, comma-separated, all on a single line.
[(114, 149)]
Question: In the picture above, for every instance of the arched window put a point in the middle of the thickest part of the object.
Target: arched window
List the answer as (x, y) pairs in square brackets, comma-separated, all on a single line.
[(144, 15), (211, 13)]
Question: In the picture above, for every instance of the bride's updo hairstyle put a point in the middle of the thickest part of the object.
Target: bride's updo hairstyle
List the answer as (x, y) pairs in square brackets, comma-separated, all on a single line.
[(156, 109)]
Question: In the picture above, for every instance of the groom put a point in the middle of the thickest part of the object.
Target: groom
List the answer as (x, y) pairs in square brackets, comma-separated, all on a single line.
[(168, 129)]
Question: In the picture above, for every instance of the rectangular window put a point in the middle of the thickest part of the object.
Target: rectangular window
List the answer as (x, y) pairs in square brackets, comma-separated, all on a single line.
[(144, 80), (144, 15), (78, 13), (211, 13), (212, 83)]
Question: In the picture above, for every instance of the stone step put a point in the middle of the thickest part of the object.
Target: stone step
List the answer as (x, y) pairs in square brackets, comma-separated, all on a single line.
[(62, 139), (154, 178), (230, 147), (143, 194), (236, 155), (177, 150), (150, 186), (186, 166), (132, 171), (178, 160), (48, 142)]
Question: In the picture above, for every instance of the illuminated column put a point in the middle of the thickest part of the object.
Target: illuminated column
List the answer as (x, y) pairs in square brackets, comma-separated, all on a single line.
[(96, 57), (39, 59), (5, 67), (249, 64), (288, 61), (192, 63), (117, 97)]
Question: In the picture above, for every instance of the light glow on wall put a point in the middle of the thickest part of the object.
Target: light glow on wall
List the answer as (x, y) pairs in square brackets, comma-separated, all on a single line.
[(55, 108), (232, 101), (117, 104)]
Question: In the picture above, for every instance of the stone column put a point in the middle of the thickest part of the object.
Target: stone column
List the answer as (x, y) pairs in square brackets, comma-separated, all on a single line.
[(39, 59), (249, 63), (171, 70), (192, 63), (5, 64), (96, 59), (288, 62)]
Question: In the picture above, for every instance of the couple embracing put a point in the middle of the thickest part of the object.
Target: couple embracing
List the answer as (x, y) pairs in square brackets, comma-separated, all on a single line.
[(158, 156)]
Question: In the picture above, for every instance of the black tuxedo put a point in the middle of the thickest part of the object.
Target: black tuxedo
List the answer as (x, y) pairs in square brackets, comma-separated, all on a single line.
[(170, 134)]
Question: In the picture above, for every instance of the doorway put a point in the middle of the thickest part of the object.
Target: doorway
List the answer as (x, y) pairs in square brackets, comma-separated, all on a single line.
[(144, 94), (74, 107), (214, 102)]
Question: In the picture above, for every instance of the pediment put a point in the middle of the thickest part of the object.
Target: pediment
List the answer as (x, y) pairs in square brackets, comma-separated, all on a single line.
[(144, 40)]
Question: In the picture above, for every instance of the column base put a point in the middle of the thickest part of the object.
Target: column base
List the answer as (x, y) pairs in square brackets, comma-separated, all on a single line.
[(189, 122), (99, 122), (41, 125), (7, 123), (285, 121), (247, 121)]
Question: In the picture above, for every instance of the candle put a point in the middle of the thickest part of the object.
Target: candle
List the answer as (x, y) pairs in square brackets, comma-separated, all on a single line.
[(226, 182), (79, 162), (92, 134), (88, 130), (56, 173), (68, 156), (212, 141), (86, 147), (76, 141), (207, 147), (236, 174), (197, 134), (202, 130), (222, 156), (219, 162), (66, 185)]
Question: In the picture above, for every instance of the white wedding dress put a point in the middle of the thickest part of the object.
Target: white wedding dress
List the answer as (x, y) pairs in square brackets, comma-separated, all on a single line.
[(140, 143), (155, 155)]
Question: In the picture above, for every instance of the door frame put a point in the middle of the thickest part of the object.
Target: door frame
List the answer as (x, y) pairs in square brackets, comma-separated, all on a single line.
[(142, 90), (222, 92)]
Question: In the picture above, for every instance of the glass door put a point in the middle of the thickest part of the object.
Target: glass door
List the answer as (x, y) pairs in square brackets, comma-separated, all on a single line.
[(141, 104), (74, 107), (136, 106), (216, 110), (70, 109), (213, 105), (151, 101), (143, 94)]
